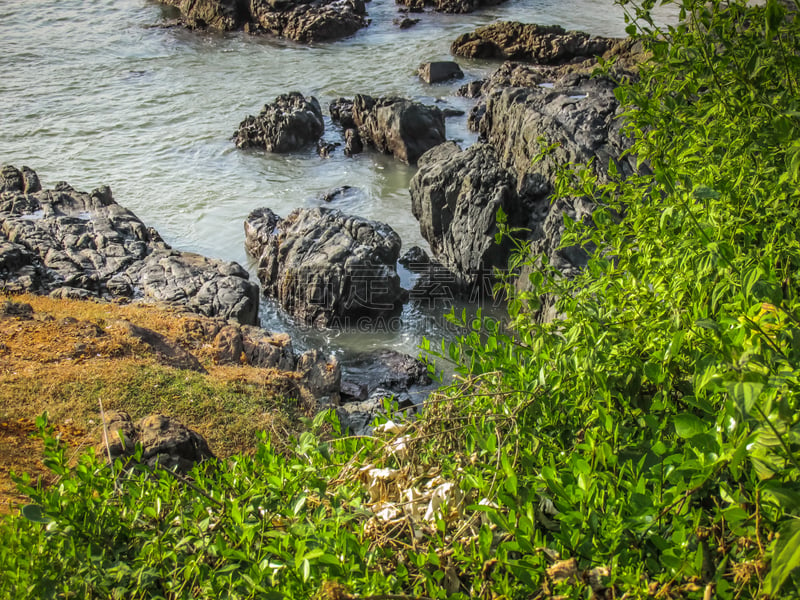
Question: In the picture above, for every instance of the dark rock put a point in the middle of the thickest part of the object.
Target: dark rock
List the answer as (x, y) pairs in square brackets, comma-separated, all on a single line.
[(473, 89), (542, 44), (299, 20), (352, 142), (405, 22), (448, 6), (324, 267), (288, 124), (354, 391), (337, 193), (433, 72), (388, 369), (341, 111), (578, 116), (316, 21), (456, 196), (165, 442), (398, 126), (66, 240), (223, 15), (324, 149), (452, 112), (415, 259), (357, 417), (166, 352)]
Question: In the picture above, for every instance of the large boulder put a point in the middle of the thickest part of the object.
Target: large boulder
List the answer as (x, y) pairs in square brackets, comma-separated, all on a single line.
[(398, 126), (223, 15), (578, 118), (300, 20), (456, 196), (448, 6), (76, 244), (164, 440), (324, 267), (306, 22), (542, 44), (288, 124)]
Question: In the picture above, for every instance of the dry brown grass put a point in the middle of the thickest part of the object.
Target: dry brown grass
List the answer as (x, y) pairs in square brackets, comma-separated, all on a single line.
[(67, 358)]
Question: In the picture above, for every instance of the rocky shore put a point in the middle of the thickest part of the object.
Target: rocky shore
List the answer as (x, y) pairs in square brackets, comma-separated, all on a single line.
[(535, 114)]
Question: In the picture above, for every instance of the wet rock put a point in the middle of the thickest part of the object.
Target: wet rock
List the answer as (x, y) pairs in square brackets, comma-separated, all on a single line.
[(456, 196), (87, 245), (448, 6), (324, 267), (165, 441), (405, 22), (542, 44), (341, 111), (473, 89), (388, 369), (325, 149), (433, 72), (316, 21), (338, 193), (352, 142), (299, 20), (415, 259), (398, 126), (288, 124)]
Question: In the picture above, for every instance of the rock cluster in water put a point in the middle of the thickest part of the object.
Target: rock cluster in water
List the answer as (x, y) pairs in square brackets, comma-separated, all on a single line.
[(299, 20), (398, 126), (551, 103), (76, 244)]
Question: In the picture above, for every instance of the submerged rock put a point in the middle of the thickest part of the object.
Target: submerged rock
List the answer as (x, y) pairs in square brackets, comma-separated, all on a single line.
[(324, 267), (73, 243), (300, 20), (289, 123)]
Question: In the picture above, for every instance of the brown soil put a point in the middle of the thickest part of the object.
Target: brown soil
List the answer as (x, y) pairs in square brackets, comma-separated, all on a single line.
[(68, 356)]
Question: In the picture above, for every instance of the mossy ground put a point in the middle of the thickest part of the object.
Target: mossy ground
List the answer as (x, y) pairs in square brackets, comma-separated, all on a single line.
[(66, 360)]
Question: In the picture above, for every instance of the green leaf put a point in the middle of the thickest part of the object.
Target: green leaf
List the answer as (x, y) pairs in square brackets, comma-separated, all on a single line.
[(786, 557), (688, 425), (34, 513), (745, 394)]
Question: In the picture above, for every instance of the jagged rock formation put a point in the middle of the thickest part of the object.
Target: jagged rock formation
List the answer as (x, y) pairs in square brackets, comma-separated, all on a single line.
[(396, 126), (288, 124), (541, 44), (448, 6), (324, 267), (456, 196), (300, 20), (524, 110), (73, 244)]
